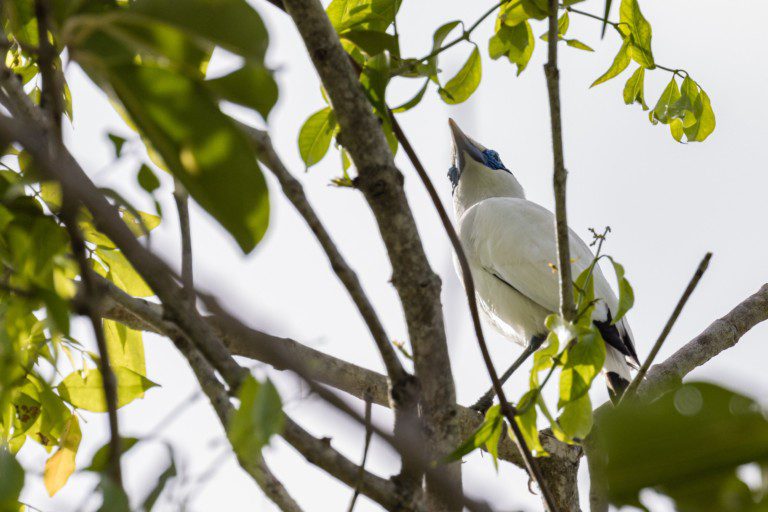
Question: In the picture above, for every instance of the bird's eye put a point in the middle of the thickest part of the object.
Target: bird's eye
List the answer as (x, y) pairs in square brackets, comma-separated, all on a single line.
[(492, 159)]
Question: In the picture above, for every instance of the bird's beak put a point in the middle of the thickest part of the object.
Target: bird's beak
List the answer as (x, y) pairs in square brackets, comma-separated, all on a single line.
[(463, 144)]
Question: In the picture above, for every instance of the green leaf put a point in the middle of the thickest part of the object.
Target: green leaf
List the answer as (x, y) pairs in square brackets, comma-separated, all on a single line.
[(527, 424), (362, 14), (640, 44), (101, 457), (60, 466), (408, 105), (686, 436), (575, 43), (581, 364), (315, 136), (543, 359), (576, 418), (626, 294), (486, 434), (85, 389), (231, 24), (259, 416), (122, 273), (514, 13), (633, 90), (620, 63), (147, 179), (125, 347), (199, 144), (664, 107), (373, 42), (562, 27), (437, 41), (251, 86), (515, 42), (460, 87), (12, 481), (705, 119), (115, 499)]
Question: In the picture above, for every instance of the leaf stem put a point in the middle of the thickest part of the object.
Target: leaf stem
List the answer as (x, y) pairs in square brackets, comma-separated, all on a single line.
[(465, 34), (677, 72)]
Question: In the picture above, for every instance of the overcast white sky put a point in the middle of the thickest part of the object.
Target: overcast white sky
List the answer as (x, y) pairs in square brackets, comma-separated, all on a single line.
[(667, 204)]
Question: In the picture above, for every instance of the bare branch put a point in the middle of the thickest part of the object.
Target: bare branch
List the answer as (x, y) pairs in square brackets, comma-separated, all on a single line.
[(668, 327), (404, 390), (382, 185), (721, 335), (181, 197), (567, 308)]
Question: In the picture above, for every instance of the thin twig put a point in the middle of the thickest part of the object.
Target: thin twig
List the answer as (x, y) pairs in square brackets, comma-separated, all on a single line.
[(668, 327), (181, 197), (366, 447), (90, 309), (560, 175)]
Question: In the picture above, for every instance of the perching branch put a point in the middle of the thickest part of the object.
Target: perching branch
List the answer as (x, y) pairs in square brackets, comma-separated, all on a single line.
[(89, 308), (381, 183), (567, 308), (668, 327)]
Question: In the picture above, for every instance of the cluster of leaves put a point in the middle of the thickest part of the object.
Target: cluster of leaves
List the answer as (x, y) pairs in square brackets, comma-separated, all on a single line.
[(38, 283), (578, 351), (364, 28), (150, 57), (687, 110), (687, 445)]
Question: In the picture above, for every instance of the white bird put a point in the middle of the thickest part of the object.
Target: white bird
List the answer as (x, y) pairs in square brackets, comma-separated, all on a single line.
[(510, 244)]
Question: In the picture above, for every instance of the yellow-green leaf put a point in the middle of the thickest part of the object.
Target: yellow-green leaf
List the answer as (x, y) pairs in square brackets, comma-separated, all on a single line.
[(60, 466), (633, 90), (85, 389), (315, 136), (620, 63), (640, 30), (125, 346), (259, 416), (528, 426), (121, 273), (576, 418), (460, 87)]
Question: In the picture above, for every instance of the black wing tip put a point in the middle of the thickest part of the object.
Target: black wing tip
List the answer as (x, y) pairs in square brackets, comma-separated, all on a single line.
[(617, 385)]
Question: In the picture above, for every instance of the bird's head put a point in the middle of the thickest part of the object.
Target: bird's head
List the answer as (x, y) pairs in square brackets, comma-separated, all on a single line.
[(467, 151), (477, 173)]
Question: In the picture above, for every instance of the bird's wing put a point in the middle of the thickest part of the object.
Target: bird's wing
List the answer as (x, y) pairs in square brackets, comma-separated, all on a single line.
[(514, 239)]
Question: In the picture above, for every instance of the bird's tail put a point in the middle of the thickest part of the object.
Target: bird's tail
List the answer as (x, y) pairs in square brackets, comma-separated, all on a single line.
[(617, 374)]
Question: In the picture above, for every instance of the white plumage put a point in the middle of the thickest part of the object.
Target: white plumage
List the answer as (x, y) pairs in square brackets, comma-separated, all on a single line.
[(510, 244)]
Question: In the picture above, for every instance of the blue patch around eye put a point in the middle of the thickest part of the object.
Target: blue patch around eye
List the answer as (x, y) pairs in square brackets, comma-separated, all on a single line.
[(492, 159), (453, 175)]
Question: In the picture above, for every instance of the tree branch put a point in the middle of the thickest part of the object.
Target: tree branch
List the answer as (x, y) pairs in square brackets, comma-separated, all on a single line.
[(567, 308), (404, 388), (89, 307), (382, 185), (629, 392), (181, 197), (721, 335)]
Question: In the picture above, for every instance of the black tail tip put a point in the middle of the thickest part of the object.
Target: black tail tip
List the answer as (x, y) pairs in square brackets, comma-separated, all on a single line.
[(616, 386)]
